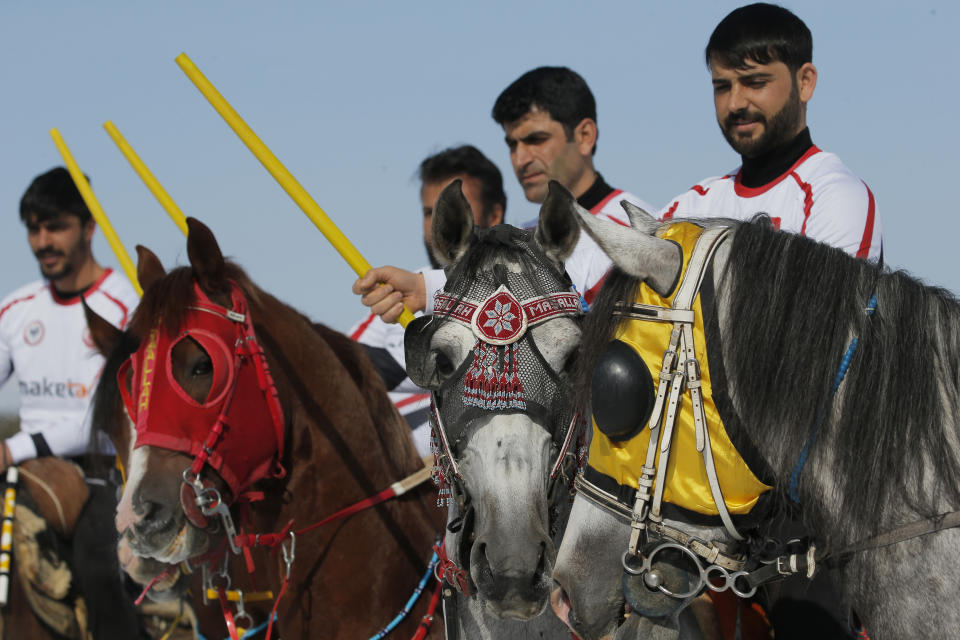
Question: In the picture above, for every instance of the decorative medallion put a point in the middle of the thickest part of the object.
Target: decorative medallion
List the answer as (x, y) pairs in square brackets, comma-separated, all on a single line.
[(34, 333), (500, 319)]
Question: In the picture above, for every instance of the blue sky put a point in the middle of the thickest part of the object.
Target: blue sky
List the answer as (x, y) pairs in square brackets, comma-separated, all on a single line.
[(351, 96)]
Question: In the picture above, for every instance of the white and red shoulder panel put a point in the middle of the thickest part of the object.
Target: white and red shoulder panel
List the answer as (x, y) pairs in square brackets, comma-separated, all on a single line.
[(818, 197), (45, 339)]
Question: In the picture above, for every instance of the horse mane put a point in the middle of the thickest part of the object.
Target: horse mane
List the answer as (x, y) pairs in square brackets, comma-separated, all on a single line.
[(599, 327), (106, 397), (890, 435), (789, 307), (166, 300)]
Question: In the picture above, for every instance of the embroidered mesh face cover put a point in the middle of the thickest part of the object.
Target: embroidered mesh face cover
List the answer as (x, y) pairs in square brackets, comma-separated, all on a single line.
[(505, 371)]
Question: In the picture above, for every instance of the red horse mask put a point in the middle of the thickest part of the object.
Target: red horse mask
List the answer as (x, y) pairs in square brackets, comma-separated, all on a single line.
[(238, 429)]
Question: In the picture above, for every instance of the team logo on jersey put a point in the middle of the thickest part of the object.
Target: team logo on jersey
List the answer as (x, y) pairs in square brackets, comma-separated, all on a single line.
[(34, 333)]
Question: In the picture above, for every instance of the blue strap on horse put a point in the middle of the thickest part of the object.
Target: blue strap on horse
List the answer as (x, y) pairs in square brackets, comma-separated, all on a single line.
[(794, 487), (412, 601)]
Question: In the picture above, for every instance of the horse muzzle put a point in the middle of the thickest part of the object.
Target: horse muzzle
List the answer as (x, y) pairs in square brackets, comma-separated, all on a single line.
[(513, 586)]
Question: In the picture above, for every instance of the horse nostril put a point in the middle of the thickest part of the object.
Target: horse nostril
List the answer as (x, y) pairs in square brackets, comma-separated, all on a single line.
[(483, 563), (541, 570), (154, 516)]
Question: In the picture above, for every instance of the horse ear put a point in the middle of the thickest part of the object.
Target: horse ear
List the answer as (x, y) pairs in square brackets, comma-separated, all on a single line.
[(557, 231), (639, 218), (636, 250), (105, 336), (205, 255), (149, 267), (452, 225)]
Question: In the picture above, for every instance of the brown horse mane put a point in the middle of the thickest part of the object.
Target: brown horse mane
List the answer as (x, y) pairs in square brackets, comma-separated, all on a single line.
[(165, 302)]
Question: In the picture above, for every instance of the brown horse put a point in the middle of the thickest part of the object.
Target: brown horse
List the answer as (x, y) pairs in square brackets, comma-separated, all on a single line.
[(337, 440), (55, 492)]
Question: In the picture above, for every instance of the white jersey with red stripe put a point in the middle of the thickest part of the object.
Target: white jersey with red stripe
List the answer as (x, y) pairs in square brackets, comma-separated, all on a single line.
[(588, 264), (818, 197), (45, 340), (411, 401)]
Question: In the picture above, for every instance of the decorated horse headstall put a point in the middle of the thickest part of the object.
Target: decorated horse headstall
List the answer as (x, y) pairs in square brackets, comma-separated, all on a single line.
[(504, 355), (237, 430), (677, 441)]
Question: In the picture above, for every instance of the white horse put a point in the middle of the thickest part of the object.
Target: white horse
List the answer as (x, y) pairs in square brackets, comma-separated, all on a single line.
[(497, 354), (870, 461)]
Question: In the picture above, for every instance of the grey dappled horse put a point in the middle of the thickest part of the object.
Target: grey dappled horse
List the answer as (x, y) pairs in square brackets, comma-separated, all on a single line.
[(497, 353), (882, 453)]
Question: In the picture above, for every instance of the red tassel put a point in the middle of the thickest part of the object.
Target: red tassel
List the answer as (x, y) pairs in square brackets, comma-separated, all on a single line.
[(486, 387)]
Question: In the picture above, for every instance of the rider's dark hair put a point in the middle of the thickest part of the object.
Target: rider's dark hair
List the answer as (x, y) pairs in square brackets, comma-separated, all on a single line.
[(51, 194), (467, 160), (761, 33), (559, 91)]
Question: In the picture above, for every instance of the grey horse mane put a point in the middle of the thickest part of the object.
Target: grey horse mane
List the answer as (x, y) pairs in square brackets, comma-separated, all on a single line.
[(789, 308)]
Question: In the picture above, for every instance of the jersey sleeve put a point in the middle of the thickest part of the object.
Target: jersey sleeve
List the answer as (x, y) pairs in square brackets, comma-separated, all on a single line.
[(6, 350), (844, 214), (433, 281), (384, 346), (63, 438)]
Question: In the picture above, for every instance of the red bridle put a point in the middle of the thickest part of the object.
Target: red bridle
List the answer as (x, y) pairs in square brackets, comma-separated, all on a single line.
[(238, 430)]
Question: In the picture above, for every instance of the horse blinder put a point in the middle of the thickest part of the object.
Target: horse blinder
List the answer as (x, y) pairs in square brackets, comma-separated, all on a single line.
[(621, 392), (238, 427)]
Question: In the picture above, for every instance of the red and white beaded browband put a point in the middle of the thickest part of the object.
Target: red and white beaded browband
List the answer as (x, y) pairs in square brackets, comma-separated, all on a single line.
[(502, 319)]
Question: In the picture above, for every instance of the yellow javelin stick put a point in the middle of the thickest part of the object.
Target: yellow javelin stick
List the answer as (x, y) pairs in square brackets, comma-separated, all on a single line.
[(148, 179), (293, 188), (87, 193)]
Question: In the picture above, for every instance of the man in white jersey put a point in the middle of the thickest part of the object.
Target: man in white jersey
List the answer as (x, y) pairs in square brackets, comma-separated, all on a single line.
[(549, 118), (483, 188), (45, 340), (760, 59), (43, 331)]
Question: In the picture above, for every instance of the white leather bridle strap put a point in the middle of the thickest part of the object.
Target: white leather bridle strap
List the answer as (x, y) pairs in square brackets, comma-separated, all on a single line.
[(703, 252), (680, 368)]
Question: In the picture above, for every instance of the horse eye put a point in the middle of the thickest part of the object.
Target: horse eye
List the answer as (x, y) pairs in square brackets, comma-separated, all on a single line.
[(444, 365), (202, 367)]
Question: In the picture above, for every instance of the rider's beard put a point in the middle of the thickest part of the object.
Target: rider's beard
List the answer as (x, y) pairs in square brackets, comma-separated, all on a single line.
[(778, 130)]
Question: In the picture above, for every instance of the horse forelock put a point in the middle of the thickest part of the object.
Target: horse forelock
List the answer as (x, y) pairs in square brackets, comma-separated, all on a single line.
[(504, 244), (889, 436)]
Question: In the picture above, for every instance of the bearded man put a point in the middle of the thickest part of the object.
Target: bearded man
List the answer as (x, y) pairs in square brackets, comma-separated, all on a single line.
[(44, 340), (760, 60)]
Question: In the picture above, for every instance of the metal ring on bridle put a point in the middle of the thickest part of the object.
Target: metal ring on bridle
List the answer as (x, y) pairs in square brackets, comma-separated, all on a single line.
[(704, 575), (647, 567)]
